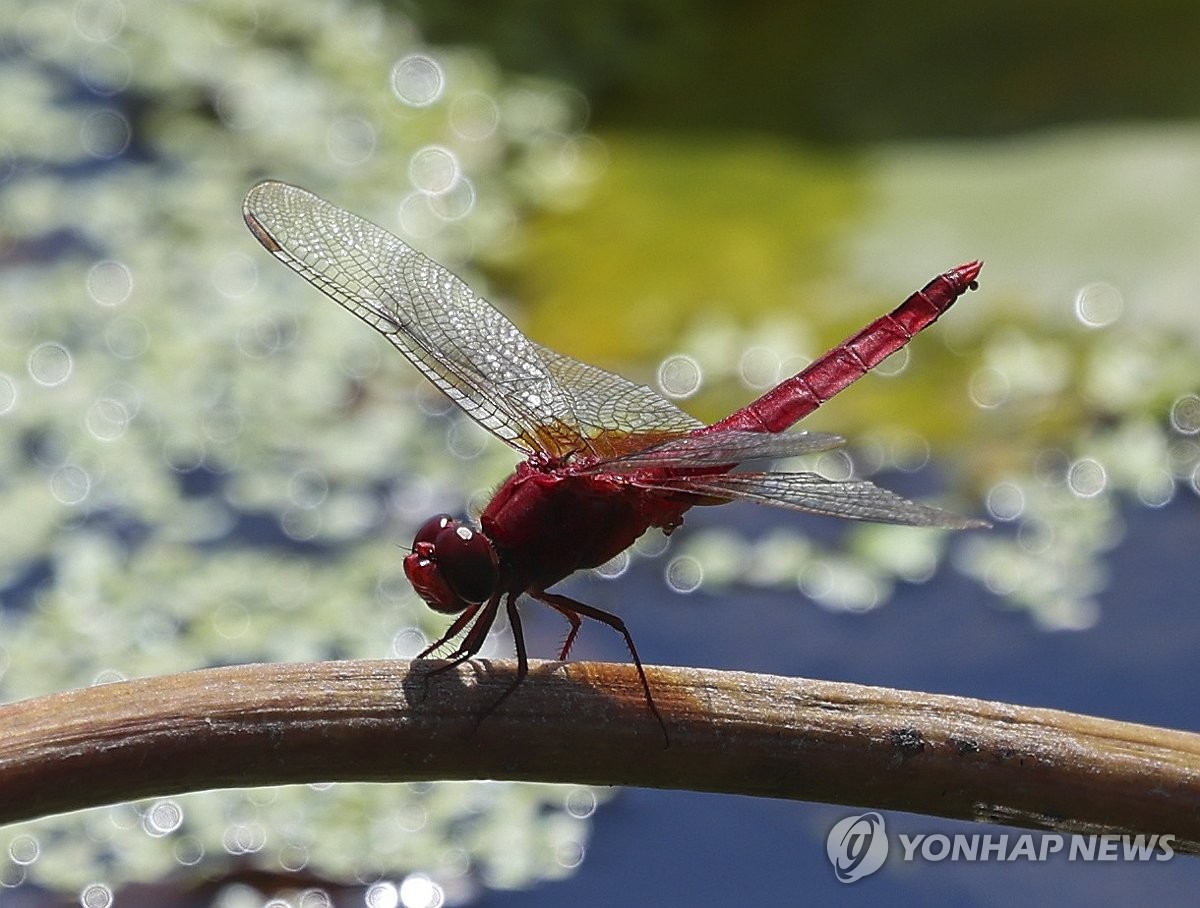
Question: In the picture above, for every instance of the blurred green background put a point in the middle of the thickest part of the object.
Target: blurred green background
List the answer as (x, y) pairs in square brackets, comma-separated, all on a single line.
[(202, 461), (843, 74)]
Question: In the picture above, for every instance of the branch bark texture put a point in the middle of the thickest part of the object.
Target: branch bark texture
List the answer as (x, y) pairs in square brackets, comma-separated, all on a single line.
[(390, 721)]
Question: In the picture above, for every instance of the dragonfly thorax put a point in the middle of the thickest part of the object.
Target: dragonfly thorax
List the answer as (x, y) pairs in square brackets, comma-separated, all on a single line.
[(452, 566)]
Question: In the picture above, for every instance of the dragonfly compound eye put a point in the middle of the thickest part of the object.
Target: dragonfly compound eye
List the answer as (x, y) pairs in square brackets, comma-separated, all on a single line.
[(467, 562), (429, 530)]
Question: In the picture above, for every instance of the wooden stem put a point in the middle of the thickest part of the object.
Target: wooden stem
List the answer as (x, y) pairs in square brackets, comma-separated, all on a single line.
[(386, 721)]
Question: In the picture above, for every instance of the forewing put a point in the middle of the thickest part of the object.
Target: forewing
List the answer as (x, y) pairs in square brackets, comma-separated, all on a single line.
[(720, 449), (615, 415), (461, 343), (853, 499)]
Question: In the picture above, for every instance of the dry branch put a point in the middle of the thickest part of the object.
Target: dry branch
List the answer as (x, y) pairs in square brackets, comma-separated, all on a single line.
[(588, 722)]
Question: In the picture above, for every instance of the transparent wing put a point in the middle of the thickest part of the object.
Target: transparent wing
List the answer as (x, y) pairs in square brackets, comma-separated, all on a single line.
[(719, 449), (533, 398), (856, 499), (615, 414)]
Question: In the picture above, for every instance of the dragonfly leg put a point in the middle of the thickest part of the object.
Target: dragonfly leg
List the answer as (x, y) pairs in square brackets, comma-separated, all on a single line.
[(572, 616), (567, 606), (483, 615), (459, 623), (514, 622)]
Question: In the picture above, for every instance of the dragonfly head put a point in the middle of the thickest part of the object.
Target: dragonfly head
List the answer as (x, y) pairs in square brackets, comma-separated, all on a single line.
[(451, 566)]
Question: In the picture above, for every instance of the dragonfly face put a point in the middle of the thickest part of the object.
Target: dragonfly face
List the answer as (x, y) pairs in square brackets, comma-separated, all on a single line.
[(452, 566)]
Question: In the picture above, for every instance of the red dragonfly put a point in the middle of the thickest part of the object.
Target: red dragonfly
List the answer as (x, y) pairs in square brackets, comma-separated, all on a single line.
[(605, 458)]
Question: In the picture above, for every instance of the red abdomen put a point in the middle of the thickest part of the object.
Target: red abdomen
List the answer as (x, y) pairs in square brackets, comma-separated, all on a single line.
[(792, 400)]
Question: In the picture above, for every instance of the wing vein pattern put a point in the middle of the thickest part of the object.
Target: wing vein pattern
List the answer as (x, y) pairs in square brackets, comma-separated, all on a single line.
[(532, 397), (852, 499)]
